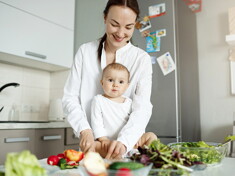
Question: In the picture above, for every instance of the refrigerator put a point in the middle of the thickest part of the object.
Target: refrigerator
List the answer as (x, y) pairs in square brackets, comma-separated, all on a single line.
[(175, 96)]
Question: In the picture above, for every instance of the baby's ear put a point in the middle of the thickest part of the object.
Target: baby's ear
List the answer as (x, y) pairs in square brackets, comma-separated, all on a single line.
[(101, 82)]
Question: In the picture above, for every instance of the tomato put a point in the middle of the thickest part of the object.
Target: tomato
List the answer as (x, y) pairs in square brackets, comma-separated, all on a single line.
[(61, 155), (73, 155), (123, 172), (53, 160)]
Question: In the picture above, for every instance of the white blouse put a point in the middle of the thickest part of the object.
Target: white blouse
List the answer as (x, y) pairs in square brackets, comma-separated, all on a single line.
[(83, 84)]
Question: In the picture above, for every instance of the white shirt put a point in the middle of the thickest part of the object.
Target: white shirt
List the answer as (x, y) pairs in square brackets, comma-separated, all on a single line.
[(83, 84), (108, 117)]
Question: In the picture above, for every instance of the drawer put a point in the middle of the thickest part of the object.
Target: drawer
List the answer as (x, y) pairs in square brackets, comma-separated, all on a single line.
[(70, 137), (15, 141), (48, 142)]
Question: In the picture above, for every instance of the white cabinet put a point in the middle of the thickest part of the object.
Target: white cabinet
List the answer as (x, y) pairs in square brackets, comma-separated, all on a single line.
[(34, 38), (60, 12)]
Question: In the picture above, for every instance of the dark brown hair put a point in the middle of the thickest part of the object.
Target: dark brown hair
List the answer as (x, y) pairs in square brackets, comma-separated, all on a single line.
[(132, 4), (116, 66)]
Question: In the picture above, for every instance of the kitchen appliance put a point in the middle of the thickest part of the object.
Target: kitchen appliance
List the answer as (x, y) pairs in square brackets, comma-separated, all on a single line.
[(175, 96), (56, 110), (7, 85)]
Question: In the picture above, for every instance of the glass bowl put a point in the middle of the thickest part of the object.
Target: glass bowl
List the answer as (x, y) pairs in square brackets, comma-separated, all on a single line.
[(212, 155), (168, 172), (138, 172)]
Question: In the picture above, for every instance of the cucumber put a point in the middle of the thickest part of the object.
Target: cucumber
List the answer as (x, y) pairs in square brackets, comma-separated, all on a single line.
[(129, 165)]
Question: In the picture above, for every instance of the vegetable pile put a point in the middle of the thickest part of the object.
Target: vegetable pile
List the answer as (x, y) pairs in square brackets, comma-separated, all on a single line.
[(94, 165), (163, 157), (67, 160), (23, 164)]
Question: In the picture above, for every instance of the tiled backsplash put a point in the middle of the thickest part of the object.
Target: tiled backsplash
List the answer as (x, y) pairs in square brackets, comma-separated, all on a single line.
[(31, 99)]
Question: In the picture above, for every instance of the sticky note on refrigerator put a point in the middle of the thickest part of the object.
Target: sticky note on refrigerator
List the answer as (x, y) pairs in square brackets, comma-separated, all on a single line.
[(166, 63)]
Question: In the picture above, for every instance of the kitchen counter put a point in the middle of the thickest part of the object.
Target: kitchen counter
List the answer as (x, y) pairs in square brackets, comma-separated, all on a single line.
[(225, 168), (34, 125)]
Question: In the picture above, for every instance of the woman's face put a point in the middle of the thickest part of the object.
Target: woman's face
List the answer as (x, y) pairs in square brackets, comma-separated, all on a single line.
[(120, 25)]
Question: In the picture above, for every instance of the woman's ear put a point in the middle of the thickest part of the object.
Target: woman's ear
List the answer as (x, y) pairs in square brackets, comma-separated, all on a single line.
[(104, 19), (101, 82)]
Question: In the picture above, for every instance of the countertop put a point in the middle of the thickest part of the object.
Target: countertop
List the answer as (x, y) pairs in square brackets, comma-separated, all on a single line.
[(225, 168), (33, 125)]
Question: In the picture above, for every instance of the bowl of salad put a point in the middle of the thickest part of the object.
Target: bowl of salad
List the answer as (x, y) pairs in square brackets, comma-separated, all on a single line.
[(209, 153)]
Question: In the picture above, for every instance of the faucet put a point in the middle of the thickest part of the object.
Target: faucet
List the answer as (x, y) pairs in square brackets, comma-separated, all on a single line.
[(7, 85)]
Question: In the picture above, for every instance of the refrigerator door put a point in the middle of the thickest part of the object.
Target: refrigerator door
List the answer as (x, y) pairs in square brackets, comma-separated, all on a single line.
[(165, 116), (175, 96)]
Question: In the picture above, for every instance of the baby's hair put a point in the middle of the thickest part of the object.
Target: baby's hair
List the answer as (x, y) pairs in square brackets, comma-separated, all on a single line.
[(116, 66)]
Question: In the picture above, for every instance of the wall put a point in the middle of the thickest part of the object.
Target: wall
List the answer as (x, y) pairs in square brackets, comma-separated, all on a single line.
[(89, 23), (30, 98), (216, 103)]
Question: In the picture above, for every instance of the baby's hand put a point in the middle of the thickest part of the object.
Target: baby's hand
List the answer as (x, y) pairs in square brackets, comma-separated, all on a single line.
[(105, 144)]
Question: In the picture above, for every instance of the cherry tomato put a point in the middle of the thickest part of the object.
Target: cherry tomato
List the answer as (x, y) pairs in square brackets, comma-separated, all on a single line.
[(53, 160)]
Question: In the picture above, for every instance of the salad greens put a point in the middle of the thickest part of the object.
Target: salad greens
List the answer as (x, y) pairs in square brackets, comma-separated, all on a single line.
[(229, 137), (23, 164), (201, 151), (164, 158)]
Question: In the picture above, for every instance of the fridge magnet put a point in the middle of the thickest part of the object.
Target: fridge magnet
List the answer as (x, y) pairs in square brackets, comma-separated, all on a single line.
[(145, 25), (157, 10), (153, 59), (194, 5), (161, 32), (145, 33), (153, 43), (166, 63)]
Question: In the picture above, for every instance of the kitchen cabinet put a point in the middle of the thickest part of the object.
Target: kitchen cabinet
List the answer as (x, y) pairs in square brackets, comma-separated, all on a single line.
[(60, 12), (71, 141), (15, 141), (48, 142), (41, 142), (33, 40)]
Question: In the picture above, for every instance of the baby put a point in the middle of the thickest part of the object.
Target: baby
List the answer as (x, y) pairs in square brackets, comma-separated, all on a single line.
[(110, 111)]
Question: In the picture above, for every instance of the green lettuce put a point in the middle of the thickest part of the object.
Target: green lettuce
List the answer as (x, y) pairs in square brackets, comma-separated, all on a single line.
[(23, 164)]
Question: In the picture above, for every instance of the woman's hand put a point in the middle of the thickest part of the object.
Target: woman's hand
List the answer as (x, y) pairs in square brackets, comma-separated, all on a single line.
[(116, 150), (87, 142)]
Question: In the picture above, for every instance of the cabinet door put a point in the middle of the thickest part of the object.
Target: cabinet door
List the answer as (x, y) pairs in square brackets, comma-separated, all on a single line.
[(15, 141), (30, 37), (60, 12), (70, 137), (48, 142)]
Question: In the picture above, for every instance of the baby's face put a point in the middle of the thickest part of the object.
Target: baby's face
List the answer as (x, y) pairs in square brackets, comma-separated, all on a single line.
[(114, 82)]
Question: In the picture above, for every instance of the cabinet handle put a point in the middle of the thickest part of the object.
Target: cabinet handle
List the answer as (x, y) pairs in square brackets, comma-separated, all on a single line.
[(29, 53), (11, 140), (55, 137)]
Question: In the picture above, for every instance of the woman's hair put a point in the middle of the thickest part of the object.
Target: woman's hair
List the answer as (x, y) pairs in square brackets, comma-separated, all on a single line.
[(116, 66), (132, 4)]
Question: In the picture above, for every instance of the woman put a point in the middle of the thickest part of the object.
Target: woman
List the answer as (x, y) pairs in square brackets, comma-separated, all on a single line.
[(84, 80)]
